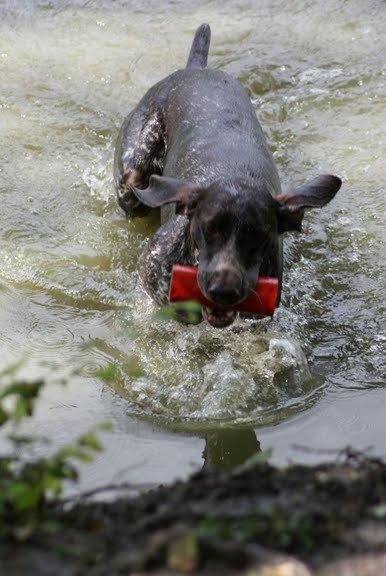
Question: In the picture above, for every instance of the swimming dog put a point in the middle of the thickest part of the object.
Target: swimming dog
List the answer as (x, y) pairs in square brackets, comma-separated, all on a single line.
[(194, 148)]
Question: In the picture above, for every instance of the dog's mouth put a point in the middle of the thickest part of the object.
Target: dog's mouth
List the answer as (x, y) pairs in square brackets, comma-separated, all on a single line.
[(218, 317)]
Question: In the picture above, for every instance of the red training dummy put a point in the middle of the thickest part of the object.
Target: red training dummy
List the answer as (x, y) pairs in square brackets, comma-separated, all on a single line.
[(184, 286)]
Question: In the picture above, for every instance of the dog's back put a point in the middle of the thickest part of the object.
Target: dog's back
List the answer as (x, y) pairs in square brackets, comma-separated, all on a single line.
[(212, 131), (199, 125)]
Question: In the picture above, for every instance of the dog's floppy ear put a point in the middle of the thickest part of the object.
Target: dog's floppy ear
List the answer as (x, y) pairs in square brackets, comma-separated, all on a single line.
[(314, 194), (163, 190)]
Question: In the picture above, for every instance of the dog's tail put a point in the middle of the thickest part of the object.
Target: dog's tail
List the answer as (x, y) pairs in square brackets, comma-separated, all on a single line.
[(198, 55)]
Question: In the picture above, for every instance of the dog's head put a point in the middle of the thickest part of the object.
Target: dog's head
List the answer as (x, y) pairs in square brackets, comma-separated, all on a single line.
[(235, 228)]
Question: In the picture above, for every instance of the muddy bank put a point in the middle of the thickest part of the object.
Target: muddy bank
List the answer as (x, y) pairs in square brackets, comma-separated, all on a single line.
[(330, 519)]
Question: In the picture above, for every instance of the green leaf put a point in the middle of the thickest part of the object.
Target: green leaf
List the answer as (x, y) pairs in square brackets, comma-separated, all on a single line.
[(188, 312), (77, 452), (23, 495), (164, 315), (27, 486), (105, 426), (24, 395), (28, 390), (4, 416), (109, 373), (91, 441)]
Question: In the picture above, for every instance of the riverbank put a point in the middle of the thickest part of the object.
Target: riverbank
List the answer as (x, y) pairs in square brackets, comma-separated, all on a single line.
[(323, 520)]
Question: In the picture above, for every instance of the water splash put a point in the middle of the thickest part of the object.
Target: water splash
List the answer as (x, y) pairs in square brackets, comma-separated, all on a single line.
[(200, 374)]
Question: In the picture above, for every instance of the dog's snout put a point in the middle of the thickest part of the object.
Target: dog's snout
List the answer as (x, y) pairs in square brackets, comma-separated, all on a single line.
[(225, 287)]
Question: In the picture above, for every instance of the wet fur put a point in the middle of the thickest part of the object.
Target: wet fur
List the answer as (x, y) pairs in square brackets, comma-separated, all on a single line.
[(198, 126)]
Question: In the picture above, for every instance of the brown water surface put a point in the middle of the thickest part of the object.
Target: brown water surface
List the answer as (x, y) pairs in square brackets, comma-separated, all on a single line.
[(71, 304)]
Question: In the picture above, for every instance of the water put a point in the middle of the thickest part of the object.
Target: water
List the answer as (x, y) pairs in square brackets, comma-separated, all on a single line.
[(71, 303)]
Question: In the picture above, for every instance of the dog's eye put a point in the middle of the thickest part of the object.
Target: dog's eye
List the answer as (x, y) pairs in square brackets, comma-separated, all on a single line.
[(212, 233), (253, 236)]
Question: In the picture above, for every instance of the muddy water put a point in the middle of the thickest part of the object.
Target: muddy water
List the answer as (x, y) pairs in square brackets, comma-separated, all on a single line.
[(71, 302)]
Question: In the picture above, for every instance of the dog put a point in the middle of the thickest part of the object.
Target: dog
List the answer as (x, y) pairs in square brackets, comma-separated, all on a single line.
[(194, 148)]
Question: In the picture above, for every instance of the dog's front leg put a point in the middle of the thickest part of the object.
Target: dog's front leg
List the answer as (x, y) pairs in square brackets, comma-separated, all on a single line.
[(170, 245)]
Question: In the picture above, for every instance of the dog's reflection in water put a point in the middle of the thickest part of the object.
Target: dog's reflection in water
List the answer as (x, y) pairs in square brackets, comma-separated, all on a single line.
[(227, 449)]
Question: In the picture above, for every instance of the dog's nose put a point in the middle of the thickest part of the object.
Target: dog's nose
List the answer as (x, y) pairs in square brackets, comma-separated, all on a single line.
[(225, 288)]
